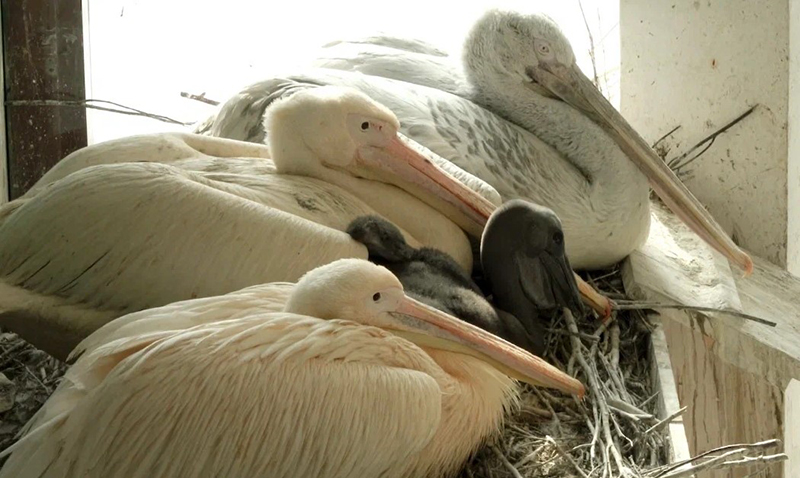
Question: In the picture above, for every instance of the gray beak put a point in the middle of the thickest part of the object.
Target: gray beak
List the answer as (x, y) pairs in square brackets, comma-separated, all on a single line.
[(549, 283)]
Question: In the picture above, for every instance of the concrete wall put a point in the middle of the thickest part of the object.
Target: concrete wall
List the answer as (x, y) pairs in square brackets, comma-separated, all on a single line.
[(793, 246), (699, 64)]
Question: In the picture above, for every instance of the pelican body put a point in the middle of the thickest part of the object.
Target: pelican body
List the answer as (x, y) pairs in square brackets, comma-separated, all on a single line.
[(528, 122), (146, 221), (280, 382)]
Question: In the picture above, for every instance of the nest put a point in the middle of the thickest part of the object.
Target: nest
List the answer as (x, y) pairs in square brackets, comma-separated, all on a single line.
[(33, 376), (613, 432)]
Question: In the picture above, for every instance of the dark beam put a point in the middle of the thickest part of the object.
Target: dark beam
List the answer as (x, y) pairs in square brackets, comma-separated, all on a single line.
[(43, 53)]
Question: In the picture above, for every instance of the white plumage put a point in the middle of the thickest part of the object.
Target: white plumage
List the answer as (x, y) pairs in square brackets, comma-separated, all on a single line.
[(145, 221), (518, 113), (317, 381)]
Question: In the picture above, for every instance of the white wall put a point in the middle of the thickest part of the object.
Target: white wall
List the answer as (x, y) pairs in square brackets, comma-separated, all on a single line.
[(793, 213), (699, 64)]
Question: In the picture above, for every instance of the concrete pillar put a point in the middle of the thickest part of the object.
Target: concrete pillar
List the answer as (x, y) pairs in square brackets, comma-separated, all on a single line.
[(699, 64), (793, 246), (791, 435)]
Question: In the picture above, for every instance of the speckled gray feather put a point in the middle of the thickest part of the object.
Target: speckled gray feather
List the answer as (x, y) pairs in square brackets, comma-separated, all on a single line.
[(603, 215)]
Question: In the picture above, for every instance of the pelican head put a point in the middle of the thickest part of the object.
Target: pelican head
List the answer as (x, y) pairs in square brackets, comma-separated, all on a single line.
[(506, 46), (527, 56), (319, 131), (523, 255), (359, 291)]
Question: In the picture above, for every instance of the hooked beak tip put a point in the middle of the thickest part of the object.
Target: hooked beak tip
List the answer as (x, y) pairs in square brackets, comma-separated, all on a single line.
[(748, 266)]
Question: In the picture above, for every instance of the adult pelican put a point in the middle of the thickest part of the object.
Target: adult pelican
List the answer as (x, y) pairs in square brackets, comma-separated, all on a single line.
[(544, 133), (308, 391), (102, 234)]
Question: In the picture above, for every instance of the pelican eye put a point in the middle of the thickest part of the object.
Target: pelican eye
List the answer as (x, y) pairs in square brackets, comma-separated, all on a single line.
[(376, 296), (365, 126), (558, 237)]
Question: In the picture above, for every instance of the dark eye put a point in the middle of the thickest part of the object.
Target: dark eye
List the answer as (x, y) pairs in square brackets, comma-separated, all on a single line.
[(543, 47), (376, 296), (365, 125), (558, 237)]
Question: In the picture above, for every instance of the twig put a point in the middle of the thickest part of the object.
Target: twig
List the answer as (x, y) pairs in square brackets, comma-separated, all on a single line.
[(676, 163), (719, 462), (627, 407), (505, 462), (8, 354), (636, 305), (591, 46), (661, 424), (669, 133), (762, 445), (566, 456), (201, 98), (549, 407), (90, 103), (751, 460)]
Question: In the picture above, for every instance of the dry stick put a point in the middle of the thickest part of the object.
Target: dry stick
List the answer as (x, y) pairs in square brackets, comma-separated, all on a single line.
[(636, 305), (89, 103), (658, 426), (566, 456), (632, 409), (616, 379), (630, 416), (661, 424), (750, 460), (719, 462), (530, 456), (615, 345), (594, 383), (676, 164), (669, 133), (649, 399), (201, 98), (505, 462), (762, 445), (591, 47), (550, 408)]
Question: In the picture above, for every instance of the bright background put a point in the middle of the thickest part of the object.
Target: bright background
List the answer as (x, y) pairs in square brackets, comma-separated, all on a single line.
[(143, 53)]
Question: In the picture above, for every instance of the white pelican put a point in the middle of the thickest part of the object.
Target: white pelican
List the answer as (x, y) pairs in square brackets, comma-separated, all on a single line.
[(102, 235), (351, 379), (548, 136)]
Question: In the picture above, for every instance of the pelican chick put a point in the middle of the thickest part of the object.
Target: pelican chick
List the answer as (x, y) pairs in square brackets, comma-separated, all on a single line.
[(433, 277)]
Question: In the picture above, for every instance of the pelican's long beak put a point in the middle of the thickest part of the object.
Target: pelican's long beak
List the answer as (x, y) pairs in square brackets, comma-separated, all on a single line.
[(573, 87), (428, 327), (408, 169), (398, 163)]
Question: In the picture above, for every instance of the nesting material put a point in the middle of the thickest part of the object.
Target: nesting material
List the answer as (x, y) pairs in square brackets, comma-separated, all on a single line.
[(613, 432), (33, 374)]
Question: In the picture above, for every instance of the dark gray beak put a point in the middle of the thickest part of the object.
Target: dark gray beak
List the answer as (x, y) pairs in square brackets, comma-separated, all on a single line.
[(548, 282)]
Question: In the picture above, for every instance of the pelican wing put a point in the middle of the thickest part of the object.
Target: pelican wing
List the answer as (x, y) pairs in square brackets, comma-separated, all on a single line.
[(125, 237), (396, 59), (270, 395), (182, 149), (261, 298)]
